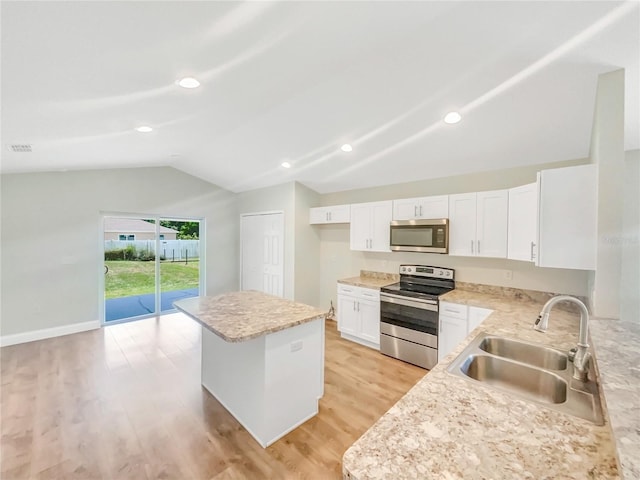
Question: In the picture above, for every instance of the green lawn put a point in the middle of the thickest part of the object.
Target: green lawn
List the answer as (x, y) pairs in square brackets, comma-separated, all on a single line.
[(138, 278)]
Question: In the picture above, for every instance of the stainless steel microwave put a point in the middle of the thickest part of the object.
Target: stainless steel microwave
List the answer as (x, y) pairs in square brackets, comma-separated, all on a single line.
[(429, 236)]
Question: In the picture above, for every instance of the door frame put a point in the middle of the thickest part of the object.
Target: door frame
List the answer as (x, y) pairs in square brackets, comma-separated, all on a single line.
[(282, 248), (157, 218)]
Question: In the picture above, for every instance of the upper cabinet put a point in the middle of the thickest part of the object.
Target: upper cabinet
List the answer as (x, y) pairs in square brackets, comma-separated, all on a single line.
[(523, 223), (478, 224), (421, 208), (567, 221), (333, 214), (370, 226)]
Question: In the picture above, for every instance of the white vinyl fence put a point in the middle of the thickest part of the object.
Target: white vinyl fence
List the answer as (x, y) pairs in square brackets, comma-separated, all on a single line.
[(169, 249)]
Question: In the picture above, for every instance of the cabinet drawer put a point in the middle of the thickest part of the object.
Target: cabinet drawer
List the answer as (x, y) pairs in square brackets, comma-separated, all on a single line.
[(359, 292), (453, 310)]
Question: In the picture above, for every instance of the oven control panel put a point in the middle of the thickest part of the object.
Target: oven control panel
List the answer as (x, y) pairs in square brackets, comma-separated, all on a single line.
[(425, 271)]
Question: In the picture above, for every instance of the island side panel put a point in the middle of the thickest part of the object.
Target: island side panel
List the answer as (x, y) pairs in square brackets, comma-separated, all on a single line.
[(234, 373), (294, 377)]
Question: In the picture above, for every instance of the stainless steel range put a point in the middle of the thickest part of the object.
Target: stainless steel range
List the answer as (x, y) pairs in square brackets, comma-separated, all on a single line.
[(409, 314)]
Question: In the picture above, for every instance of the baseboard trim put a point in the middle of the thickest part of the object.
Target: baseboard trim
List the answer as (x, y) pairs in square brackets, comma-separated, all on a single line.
[(7, 340)]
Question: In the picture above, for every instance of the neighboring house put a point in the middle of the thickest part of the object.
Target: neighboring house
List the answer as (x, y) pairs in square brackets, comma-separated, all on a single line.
[(134, 229)]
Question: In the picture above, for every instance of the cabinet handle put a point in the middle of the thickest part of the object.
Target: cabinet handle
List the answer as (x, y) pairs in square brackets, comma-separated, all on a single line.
[(358, 306), (415, 210), (354, 305), (329, 216), (326, 216), (420, 210), (532, 245), (471, 246), (478, 246)]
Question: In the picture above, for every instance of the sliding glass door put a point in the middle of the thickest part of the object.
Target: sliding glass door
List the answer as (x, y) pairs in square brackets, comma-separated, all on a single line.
[(149, 262)]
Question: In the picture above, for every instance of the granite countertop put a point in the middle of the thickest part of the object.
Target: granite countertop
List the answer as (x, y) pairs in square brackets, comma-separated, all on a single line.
[(619, 364), (241, 316), (369, 279), (447, 427)]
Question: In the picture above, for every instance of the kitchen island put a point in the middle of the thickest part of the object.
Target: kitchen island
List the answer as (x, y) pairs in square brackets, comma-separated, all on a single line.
[(262, 359), (453, 428)]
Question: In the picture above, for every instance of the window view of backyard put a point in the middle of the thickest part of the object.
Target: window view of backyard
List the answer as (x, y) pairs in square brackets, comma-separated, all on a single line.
[(130, 265)]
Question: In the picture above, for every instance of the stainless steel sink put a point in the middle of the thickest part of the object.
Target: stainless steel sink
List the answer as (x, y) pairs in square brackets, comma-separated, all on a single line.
[(536, 355), (515, 377), (532, 372)]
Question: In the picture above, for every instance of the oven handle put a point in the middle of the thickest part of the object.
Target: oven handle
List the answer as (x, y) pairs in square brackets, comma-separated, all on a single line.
[(431, 305)]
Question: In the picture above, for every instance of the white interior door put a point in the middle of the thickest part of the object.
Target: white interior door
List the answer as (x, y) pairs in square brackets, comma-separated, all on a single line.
[(262, 253)]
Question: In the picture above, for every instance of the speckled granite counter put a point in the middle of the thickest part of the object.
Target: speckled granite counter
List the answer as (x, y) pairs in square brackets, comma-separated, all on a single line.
[(241, 316), (619, 364), (450, 428), (368, 279)]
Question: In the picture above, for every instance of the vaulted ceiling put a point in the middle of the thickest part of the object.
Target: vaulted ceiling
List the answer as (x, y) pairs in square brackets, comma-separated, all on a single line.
[(293, 81)]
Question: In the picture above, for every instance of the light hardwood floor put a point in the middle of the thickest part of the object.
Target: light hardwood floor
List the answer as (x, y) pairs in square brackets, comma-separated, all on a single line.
[(125, 402)]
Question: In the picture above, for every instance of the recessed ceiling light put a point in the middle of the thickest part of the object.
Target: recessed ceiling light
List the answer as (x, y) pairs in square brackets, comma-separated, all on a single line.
[(286, 164), (346, 147), (189, 82), (144, 129), (452, 117)]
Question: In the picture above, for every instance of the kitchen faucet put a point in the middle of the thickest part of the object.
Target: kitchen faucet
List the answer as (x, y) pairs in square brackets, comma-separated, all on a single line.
[(581, 357)]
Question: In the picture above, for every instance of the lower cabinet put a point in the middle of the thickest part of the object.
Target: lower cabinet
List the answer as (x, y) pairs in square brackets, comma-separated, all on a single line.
[(456, 322), (359, 315)]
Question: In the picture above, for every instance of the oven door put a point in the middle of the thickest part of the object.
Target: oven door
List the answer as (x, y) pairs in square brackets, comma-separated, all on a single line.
[(409, 329)]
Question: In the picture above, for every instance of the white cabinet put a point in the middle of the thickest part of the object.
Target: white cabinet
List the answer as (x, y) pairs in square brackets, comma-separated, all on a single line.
[(359, 314), (422, 207), (456, 322), (370, 226), (567, 221), (332, 214), (523, 223), (478, 224)]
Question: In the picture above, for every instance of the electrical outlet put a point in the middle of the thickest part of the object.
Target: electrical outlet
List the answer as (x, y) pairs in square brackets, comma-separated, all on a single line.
[(508, 274), (296, 346)]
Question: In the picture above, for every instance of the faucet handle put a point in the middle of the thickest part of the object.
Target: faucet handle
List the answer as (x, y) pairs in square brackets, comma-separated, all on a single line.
[(572, 354)]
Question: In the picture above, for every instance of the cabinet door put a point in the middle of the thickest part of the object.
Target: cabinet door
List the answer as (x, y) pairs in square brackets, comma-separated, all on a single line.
[(434, 207), (567, 232), (360, 226), (318, 215), (348, 316), (477, 315), (523, 223), (369, 320), (491, 226), (462, 224), (452, 332), (380, 231), (405, 209), (339, 213)]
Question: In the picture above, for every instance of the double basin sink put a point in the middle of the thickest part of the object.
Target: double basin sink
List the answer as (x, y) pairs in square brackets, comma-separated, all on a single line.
[(533, 372)]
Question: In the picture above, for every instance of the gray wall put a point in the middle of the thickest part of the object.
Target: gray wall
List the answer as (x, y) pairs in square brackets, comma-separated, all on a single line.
[(51, 237), (338, 261)]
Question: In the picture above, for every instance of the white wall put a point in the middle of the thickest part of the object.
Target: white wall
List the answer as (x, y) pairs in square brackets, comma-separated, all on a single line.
[(630, 243), (51, 238), (338, 261), (607, 151), (307, 249)]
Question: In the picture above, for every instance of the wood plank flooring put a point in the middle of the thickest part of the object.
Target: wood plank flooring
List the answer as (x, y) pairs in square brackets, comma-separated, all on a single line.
[(125, 402)]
